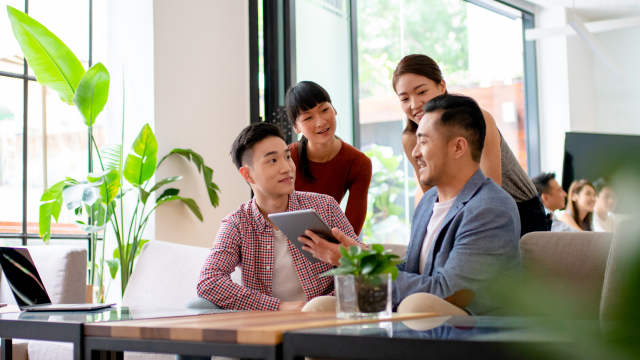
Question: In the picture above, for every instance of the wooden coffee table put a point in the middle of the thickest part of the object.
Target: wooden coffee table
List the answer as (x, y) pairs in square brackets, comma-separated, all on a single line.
[(250, 334)]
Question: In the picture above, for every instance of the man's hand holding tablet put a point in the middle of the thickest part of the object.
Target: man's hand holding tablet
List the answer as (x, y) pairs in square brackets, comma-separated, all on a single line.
[(324, 250)]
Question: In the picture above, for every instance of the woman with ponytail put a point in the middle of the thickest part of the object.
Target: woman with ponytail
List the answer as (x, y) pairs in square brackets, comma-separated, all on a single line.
[(418, 79), (324, 163)]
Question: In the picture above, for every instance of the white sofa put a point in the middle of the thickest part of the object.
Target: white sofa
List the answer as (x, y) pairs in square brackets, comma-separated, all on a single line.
[(63, 270)]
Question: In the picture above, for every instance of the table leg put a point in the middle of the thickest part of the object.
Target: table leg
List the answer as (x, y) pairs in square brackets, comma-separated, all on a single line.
[(78, 350), (7, 349)]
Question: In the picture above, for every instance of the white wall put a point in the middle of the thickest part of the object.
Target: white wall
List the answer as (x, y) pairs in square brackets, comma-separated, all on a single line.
[(553, 90), (618, 102), (578, 92), (123, 41), (201, 55)]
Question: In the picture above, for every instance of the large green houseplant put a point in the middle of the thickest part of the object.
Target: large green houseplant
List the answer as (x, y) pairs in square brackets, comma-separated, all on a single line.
[(97, 196)]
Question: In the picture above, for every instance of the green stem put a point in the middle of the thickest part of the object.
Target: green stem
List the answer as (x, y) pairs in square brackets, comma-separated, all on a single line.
[(97, 151)]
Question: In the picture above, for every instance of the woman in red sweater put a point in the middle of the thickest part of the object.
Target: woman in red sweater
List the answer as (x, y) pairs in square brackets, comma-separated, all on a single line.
[(324, 163)]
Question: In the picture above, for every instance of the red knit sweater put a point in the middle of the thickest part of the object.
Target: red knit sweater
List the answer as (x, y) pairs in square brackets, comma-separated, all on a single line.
[(349, 170)]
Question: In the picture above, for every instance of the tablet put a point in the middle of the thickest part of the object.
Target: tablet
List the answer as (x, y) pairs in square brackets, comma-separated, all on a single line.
[(294, 223)]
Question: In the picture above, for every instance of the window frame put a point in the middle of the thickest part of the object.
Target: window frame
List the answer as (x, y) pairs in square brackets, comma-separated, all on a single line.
[(24, 236)]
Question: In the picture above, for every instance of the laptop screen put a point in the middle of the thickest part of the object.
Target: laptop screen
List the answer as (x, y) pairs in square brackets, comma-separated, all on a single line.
[(23, 278)]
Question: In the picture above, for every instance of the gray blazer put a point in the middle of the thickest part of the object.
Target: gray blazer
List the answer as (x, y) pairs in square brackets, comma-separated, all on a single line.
[(478, 239)]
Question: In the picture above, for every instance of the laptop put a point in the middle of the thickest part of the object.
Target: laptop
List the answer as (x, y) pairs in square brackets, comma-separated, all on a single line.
[(28, 289)]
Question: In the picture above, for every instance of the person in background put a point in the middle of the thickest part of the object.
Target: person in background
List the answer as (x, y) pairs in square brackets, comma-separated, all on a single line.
[(579, 212), (553, 198), (606, 201), (325, 164), (418, 79)]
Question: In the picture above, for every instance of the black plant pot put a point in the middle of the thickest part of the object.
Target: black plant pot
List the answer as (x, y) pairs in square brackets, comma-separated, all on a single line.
[(372, 293)]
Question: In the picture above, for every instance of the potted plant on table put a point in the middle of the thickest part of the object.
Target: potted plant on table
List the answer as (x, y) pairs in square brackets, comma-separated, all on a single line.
[(100, 194), (363, 281)]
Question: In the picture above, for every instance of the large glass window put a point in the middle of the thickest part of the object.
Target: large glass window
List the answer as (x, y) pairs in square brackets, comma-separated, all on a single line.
[(480, 53), (40, 136), (325, 56)]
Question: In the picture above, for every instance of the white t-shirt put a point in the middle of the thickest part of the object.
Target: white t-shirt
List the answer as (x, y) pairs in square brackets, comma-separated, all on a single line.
[(286, 284), (607, 225), (440, 210)]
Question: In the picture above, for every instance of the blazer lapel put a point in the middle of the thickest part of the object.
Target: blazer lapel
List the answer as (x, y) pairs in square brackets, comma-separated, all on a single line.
[(467, 192), (419, 230)]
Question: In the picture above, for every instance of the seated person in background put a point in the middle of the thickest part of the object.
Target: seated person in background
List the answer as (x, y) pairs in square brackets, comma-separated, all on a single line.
[(275, 275), (553, 198), (579, 212), (466, 229), (606, 200)]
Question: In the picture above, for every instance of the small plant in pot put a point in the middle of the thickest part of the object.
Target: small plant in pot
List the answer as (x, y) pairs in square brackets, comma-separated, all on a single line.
[(363, 281)]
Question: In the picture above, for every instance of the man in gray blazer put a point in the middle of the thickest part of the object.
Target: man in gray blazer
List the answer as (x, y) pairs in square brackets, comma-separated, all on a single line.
[(466, 229)]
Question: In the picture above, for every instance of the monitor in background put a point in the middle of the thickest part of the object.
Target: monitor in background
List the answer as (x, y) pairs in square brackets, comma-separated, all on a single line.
[(615, 157)]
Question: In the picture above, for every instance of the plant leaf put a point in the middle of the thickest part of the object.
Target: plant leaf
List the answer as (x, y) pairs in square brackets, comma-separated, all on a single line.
[(53, 63), (50, 205), (168, 192), (89, 228), (368, 263), (141, 164), (207, 172), (114, 265), (92, 93), (163, 182), (139, 249), (143, 195), (354, 250), (187, 201), (391, 270), (343, 270), (110, 186), (111, 156), (344, 260), (345, 252)]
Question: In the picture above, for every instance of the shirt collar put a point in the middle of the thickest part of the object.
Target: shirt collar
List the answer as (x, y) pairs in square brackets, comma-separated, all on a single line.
[(260, 220)]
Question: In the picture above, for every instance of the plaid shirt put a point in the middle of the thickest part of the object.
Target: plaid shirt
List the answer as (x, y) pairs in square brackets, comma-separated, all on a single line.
[(245, 238)]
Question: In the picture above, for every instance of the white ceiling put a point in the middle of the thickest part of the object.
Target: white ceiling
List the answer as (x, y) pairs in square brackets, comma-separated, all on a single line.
[(597, 9)]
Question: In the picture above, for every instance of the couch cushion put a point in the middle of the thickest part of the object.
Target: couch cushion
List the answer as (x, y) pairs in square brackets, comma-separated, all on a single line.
[(63, 270), (166, 275), (620, 263), (577, 260)]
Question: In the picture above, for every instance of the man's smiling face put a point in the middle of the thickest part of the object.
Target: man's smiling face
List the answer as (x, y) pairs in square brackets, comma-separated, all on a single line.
[(271, 168), (431, 151)]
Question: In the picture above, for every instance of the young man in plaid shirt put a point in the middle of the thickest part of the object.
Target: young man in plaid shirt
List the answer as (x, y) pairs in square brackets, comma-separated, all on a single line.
[(275, 274)]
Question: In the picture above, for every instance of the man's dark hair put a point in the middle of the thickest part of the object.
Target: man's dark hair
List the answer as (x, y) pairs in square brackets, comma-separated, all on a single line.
[(249, 136), (541, 182), (461, 116)]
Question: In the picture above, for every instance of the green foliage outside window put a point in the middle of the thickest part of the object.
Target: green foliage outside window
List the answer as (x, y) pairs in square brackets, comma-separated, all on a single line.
[(387, 183), (436, 28)]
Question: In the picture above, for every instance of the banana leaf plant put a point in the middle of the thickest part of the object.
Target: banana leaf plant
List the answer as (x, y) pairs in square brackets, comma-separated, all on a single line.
[(98, 195)]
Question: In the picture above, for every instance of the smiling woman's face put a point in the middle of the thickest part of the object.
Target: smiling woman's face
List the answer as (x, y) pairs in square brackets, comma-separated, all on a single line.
[(318, 125), (416, 90)]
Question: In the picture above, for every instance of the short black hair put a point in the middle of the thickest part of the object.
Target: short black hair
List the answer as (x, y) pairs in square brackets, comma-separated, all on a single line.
[(461, 115), (541, 182), (249, 136), (600, 184)]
